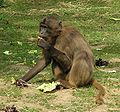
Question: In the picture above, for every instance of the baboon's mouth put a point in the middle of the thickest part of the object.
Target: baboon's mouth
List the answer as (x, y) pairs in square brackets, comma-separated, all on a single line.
[(39, 38)]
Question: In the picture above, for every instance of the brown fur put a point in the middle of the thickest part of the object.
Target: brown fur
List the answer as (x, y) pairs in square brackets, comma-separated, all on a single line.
[(72, 43), (72, 58)]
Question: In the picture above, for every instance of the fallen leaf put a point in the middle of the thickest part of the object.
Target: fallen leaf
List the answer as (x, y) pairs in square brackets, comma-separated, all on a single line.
[(33, 61), (32, 51), (13, 80), (98, 49), (48, 87), (7, 53), (116, 19), (19, 43), (107, 71)]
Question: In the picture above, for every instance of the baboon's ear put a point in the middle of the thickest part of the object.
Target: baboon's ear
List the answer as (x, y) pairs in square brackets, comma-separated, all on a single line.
[(44, 20), (60, 24), (60, 27)]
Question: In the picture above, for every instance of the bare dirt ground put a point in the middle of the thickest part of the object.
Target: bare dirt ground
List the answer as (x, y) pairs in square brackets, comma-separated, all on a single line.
[(64, 97)]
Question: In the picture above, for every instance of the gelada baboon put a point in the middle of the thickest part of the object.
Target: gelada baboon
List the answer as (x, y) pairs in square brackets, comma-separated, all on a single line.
[(71, 56)]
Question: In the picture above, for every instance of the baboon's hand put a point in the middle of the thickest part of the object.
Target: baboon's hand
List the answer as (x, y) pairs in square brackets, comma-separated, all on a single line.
[(43, 44), (21, 83)]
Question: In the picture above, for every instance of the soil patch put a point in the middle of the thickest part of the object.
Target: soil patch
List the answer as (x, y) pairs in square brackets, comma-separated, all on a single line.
[(2, 84), (110, 70), (115, 60), (101, 108), (63, 97), (99, 46)]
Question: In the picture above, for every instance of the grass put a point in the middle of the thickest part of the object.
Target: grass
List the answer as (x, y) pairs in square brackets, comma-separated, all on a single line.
[(19, 22)]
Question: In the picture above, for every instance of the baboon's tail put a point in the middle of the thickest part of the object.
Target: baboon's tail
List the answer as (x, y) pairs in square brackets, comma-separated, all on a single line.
[(99, 97)]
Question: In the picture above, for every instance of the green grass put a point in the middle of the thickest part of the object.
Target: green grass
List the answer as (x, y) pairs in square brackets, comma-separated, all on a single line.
[(19, 21)]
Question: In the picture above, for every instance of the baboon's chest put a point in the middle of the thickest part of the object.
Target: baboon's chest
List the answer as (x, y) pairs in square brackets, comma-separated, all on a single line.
[(65, 48)]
